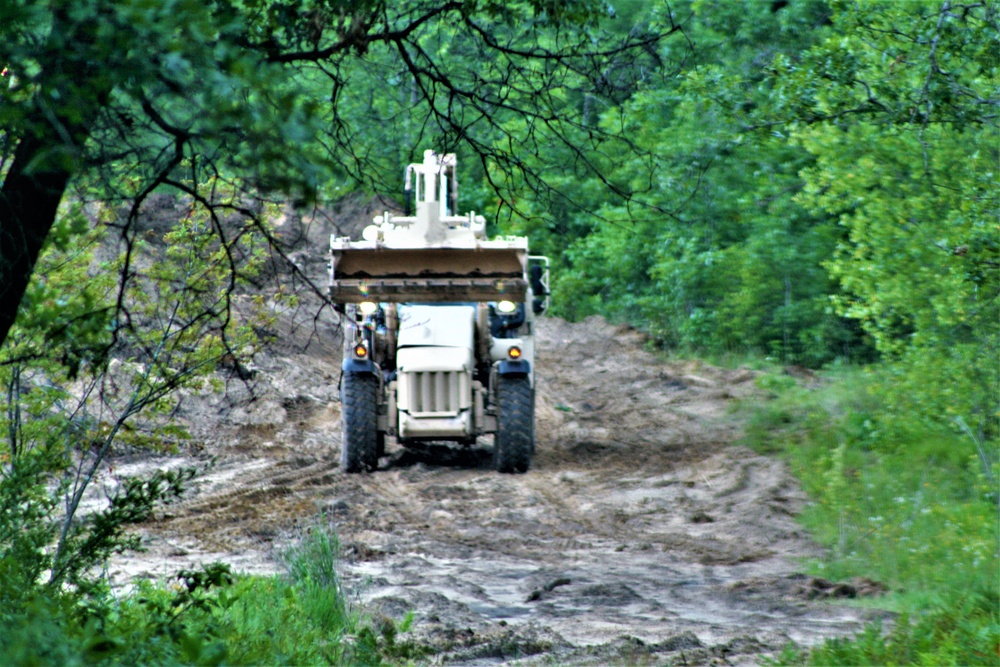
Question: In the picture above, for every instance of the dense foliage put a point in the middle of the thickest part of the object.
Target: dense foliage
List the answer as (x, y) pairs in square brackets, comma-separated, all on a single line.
[(210, 617), (820, 185)]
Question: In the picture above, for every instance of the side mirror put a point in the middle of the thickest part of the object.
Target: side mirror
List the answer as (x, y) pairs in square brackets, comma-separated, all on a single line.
[(538, 277)]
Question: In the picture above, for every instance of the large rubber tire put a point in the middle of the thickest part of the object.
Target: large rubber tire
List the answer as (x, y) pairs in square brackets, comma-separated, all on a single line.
[(514, 441), (362, 441)]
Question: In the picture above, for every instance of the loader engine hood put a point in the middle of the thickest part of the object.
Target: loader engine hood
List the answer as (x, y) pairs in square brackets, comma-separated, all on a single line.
[(437, 326), (435, 360)]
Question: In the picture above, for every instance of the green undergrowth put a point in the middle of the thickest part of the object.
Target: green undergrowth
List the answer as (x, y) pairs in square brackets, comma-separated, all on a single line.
[(209, 617), (895, 499)]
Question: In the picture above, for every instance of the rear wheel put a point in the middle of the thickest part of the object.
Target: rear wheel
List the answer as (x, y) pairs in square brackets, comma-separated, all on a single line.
[(362, 441), (514, 441)]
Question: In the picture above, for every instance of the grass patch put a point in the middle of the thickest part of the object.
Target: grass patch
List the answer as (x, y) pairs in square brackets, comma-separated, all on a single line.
[(960, 633), (211, 617), (907, 504)]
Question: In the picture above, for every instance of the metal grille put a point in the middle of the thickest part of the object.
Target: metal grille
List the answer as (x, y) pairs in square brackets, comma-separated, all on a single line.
[(437, 392)]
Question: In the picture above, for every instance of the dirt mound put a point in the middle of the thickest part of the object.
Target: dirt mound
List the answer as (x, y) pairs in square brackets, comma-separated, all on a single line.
[(640, 531)]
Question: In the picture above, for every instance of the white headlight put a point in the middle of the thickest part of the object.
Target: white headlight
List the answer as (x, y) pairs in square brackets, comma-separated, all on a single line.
[(506, 306), (367, 307)]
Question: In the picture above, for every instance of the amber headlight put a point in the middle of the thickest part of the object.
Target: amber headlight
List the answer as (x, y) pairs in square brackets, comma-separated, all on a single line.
[(514, 352)]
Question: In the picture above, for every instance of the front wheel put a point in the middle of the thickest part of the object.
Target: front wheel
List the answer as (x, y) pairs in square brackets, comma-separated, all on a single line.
[(514, 441), (362, 441)]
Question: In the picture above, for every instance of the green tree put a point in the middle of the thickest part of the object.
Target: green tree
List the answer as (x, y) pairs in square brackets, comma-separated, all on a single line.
[(900, 112), (705, 246), (168, 327)]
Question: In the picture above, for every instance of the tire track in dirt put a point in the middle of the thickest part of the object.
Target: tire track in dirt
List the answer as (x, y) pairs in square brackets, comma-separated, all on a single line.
[(640, 531)]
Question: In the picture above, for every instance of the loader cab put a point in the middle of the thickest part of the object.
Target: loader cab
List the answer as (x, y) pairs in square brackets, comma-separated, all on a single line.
[(431, 184)]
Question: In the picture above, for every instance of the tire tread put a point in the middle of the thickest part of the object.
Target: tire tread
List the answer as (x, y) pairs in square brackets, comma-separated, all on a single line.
[(514, 441), (359, 450)]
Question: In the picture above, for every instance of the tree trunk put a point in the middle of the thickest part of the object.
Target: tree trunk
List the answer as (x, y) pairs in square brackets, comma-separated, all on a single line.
[(29, 198)]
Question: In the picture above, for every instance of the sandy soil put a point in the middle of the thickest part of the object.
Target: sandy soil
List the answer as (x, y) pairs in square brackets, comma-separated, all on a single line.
[(642, 533)]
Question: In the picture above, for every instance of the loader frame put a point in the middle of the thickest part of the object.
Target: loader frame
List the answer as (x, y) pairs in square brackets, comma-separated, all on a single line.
[(440, 328)]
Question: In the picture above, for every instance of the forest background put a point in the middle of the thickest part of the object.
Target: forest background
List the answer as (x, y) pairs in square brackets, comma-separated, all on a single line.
[(806, 183)]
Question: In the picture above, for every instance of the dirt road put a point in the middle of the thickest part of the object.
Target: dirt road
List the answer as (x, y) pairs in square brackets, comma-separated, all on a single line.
[(642, 533)]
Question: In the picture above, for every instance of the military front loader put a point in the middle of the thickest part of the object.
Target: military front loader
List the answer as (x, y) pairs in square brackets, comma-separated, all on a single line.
[(439, 341)]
